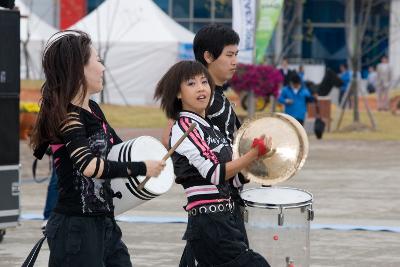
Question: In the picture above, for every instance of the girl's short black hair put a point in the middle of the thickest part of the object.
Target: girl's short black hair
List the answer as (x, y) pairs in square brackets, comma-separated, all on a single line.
[(170, 85), (213, 38)]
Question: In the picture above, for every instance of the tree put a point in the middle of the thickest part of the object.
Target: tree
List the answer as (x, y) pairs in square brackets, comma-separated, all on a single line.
[(355, 34), (289, 30)]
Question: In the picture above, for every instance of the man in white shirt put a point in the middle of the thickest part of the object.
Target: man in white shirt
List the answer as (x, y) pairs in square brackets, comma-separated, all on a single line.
[(383, 84)]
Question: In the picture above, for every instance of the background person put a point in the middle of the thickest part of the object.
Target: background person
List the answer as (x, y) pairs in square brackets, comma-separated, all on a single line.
[(52, 195), (286, 71), (345, 75), (372, 80), (295, 98), (383, 85)]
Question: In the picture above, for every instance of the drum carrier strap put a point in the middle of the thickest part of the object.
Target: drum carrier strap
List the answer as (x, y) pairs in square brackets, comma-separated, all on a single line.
[(31, 259)]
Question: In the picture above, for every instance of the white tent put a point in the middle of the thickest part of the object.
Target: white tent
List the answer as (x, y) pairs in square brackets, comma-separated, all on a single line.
[(138, 43), (34, 35)]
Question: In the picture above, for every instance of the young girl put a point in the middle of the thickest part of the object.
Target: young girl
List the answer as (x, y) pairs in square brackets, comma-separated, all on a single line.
[(82, 230), (204, 167)]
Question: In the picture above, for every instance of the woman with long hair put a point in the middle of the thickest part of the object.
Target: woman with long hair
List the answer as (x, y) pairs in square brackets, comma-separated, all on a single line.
[(82, 230)]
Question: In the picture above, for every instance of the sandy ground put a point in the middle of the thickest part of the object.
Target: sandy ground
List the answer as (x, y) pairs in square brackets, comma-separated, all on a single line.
[(355, 185)]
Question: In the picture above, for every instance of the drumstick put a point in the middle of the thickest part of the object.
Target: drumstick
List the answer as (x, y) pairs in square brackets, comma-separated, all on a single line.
[(170, 152)]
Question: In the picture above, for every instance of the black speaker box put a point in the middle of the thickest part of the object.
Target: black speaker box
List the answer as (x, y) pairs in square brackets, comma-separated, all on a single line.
[(9, 86), (9, 130), (9, 52)]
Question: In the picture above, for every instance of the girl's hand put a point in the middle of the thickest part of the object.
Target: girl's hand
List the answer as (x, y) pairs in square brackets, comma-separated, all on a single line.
[(154, 167), (262, 145)]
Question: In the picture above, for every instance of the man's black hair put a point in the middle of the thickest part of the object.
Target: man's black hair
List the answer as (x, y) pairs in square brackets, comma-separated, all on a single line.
[(213, 38)]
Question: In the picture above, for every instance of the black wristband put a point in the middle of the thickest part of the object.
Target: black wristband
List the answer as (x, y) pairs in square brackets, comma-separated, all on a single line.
[(114, 169), (137, 168)]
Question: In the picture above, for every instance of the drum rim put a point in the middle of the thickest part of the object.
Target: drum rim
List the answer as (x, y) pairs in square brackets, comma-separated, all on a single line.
[(309, 202), (169, 160), (138, 179)]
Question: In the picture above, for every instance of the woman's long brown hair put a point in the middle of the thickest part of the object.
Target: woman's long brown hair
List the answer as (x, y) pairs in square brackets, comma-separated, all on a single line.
[(64, 58)]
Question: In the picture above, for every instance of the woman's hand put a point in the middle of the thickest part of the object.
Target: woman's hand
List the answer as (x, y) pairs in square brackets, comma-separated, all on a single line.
[(154, 167)]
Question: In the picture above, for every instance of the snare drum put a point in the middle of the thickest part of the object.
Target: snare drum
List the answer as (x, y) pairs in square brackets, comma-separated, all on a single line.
[(278, 224), (127, 196)]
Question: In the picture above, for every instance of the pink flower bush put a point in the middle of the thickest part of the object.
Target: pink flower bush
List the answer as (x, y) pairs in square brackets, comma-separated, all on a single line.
[(263, 80)]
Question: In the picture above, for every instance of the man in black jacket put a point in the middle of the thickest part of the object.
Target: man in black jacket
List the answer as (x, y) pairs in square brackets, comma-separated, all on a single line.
[(286, 72)]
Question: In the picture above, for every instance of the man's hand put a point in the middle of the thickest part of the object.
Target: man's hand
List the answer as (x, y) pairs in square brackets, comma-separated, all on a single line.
[(289, 101)]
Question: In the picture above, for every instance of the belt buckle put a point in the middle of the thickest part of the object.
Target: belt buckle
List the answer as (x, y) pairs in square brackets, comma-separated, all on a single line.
[(231, 205)]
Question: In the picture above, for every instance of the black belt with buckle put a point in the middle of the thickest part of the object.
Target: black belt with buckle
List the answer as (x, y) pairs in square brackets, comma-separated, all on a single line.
[(212, 208)]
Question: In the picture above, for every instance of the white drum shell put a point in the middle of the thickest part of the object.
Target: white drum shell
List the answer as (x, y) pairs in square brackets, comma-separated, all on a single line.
[(278, 227), (139, 149)]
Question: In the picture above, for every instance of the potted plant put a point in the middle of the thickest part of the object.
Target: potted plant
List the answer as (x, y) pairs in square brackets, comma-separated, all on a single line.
[(27, 118), (263, 80)]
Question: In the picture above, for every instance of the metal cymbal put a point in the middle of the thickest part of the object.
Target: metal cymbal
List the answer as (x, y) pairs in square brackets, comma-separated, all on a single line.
[(289, 142)]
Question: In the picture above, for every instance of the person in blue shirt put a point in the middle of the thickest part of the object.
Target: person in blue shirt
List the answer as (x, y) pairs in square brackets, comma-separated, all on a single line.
[(295, 97), (52, 195), (301, 73), (345, 76)]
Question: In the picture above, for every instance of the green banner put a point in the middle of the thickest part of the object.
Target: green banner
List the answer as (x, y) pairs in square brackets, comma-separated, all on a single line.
[(268, 15)]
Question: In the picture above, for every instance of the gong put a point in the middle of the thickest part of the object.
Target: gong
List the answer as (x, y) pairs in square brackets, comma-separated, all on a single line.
[(289, 147)]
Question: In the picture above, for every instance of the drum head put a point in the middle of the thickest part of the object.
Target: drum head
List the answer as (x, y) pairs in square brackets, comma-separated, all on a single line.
[(149, 148), (276, 197), (289, 140)]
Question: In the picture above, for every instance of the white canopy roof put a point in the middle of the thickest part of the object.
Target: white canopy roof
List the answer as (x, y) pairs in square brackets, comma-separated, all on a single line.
[(39, 32), (38, 29), (132, 21), (138, 42)]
